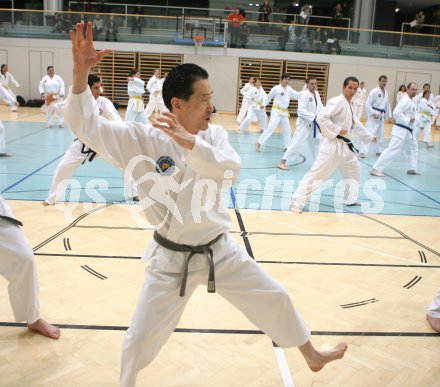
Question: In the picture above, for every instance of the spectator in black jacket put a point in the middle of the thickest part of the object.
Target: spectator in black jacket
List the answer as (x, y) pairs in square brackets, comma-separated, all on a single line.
[(265, 10), (292, 10)]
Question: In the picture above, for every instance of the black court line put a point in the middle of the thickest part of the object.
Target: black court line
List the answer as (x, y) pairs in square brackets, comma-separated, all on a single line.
[(65, 245), (87, 256), (73, 224), (401, 233), (423, 256), (413, 282), (119, 228), (315, 235), (241, 225), (233, 331), (360, 303), (95, 273), (68, 243)]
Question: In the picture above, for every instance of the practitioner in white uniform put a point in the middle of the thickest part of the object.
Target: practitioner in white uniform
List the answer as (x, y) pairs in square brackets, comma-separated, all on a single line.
[(52, 84), (336, 121), (78, 153), (378, 109), (5, 96), (307, 129), (426, 114), (359, 100), (244, 102), (135, 107), (160, 106), (255, 97), (403, 134), (281, 95), (154, 87), (17, 266), (419, 96), (433, 315), (6, 80), (173, 160), (400, 93)]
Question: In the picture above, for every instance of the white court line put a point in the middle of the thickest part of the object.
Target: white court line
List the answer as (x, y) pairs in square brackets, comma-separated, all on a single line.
[(284, 367)]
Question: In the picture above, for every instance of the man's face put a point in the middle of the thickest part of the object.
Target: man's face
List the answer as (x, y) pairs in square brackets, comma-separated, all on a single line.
[(258, 83), (312, 85), (51, 72), (350, 90), (426, 87), (156, 73), (96, 89), (383, 83), (412, 90), (285, 82), (137, 75), (195, 113)]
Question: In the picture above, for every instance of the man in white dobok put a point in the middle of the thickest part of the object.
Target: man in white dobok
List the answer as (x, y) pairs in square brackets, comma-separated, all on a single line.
[(154, 86), (378, 109), (5, 96), (307, 129), (52, 84), (180, 154), (17, 266), (281, 95), (337, 121), (403, 134)]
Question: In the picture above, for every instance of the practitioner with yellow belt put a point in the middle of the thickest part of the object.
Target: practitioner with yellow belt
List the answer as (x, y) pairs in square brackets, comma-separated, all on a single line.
[(281, 95), (52, 84), (135, 107)]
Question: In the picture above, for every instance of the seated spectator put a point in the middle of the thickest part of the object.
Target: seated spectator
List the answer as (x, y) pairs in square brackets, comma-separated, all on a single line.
[(58, 23), (136, 24), (82, 19), (283, 37), (111, 29), (316, 40), (97, 26), (244, 35), (301, 40), (333, 42), (70, 21)]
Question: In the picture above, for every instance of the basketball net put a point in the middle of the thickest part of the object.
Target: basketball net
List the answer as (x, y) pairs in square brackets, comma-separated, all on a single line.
[(198, 41)]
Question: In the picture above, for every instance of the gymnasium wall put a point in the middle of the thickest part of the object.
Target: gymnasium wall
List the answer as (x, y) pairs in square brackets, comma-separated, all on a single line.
[(28, 60)]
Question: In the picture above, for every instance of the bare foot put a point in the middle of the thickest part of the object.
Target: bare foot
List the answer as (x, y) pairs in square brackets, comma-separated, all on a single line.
[(257, 146), (283, 166), (317, 360), (294, 208), (434, 322), (46, 203), (46, 329)]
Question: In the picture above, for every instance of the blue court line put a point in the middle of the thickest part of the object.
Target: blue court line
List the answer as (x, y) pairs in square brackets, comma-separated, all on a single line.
[(406, 185), (30, 174), (26, 135)]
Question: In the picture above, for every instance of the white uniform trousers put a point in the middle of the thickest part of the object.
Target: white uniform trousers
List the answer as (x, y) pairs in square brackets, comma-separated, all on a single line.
[(426, 121), (327, 160), (52, 114), (243, 111), (2, 138), (160, 105), (251, 113), (376, 128), (17, 265), (301, 135), (71, 160), (239, 279), (400, 138), (153, 104), (131, 115), (275, 119), (434, 308)]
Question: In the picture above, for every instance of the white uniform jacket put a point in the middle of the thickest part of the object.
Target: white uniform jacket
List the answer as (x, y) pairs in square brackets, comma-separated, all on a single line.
[(309, 106), (419, 97), (245, 89), (153, 85), (136, 89), (255, 96), (378, 99), (172, 181), (359, 97), (336, 115), (53, 85), (403, 113), (281, 99), (5, 210), (7, 79)]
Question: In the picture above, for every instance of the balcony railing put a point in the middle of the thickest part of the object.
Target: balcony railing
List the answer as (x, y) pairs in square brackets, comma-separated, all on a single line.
[(218, 32)]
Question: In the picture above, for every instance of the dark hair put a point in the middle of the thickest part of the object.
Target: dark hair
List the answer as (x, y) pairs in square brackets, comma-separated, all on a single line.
[(426, 92), (133, 72), (427, 84), (285, 75), (179, 82), (409, 85), (256, 79), (400, 88), (348, 79), (49, 67), (383, 77), (3, 66), (92, 79), (308, 79)]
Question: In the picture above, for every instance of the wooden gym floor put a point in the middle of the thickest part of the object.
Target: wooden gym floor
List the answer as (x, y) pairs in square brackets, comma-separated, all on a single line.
[(364, 276)]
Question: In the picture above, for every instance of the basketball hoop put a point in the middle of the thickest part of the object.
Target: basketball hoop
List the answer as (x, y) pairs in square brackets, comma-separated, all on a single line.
[(198, 41)]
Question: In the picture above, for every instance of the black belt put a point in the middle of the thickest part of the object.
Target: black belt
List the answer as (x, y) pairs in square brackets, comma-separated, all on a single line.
[(348, 142), (192, 250), (11, 220), (405, 127), (315, 126), (90, 153), (379, 110)]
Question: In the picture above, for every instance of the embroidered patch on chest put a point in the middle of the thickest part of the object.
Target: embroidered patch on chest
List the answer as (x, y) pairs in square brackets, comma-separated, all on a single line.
[(165, 165)]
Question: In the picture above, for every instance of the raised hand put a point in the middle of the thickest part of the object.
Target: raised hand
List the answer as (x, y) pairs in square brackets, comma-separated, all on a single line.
[(168, 124)]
